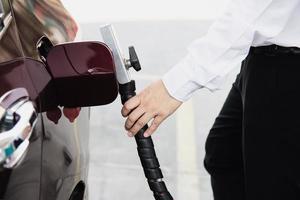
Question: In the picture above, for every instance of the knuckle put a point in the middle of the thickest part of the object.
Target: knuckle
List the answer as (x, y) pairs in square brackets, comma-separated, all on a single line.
[(134, 130), (140, 123), (153, 128), (138, 98), (156, 121), (151, 106), (142, 108), (146, 105), (135, 100), (130, 121), (126, 107)]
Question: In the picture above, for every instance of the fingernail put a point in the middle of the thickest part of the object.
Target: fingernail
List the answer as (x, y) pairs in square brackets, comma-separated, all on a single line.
[(129, 134), (146, 135)]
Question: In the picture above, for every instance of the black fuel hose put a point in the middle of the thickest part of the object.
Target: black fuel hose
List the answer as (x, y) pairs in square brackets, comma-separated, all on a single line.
[(146, 152)]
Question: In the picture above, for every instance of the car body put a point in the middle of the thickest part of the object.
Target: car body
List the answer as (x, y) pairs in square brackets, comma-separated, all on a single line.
[(56, 163)]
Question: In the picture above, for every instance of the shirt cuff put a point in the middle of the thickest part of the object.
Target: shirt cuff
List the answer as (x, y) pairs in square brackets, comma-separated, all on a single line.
[(179, 81)]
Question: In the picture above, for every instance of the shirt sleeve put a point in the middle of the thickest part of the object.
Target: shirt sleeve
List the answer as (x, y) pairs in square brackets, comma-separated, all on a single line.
[(213, 56)]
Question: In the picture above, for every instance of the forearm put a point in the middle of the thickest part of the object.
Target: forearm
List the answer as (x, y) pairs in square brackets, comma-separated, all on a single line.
[(213, 56)]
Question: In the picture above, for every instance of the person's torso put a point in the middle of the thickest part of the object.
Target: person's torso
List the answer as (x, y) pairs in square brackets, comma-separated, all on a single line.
[(274, 33)]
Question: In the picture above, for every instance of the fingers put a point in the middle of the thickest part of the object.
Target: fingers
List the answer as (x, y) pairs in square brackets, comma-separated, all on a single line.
[(154, 125), (154, 102), (133, 117), (140, 123), (130, 105), (143, 121)]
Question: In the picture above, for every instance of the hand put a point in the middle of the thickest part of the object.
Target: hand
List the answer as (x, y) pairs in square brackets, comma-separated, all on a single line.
[(155, 103)]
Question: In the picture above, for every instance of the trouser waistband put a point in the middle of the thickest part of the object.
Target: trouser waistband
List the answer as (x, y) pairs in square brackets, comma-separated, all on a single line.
[(274, 50)]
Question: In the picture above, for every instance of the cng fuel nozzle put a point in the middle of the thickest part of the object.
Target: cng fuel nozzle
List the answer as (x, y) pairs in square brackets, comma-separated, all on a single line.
[(127, 89)]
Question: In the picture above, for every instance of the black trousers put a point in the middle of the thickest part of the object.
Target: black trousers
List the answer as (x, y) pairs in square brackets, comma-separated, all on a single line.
[(253, 148)]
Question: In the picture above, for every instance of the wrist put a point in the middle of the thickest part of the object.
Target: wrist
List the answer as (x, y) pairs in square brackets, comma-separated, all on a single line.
[(168, 92)]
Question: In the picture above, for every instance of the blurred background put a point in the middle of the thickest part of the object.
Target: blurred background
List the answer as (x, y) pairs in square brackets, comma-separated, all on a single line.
[(160, 30)]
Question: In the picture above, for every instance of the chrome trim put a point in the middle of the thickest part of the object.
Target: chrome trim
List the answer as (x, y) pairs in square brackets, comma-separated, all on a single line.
[(1, 9), (21, 118), (2, 112), (7, 21)]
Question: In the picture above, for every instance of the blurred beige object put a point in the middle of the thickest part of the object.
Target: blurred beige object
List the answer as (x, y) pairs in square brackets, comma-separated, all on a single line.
[(31, 19)]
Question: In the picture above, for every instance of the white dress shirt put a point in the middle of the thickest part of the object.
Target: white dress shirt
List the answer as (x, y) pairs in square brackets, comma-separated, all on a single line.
[(245, 23)]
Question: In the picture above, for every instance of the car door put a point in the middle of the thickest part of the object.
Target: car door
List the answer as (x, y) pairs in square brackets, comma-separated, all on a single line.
[(66, 130), (23, 181), (56, 163)]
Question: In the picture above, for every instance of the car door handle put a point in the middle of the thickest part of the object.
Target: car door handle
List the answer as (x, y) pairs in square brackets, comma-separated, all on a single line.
[(18, 117)]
